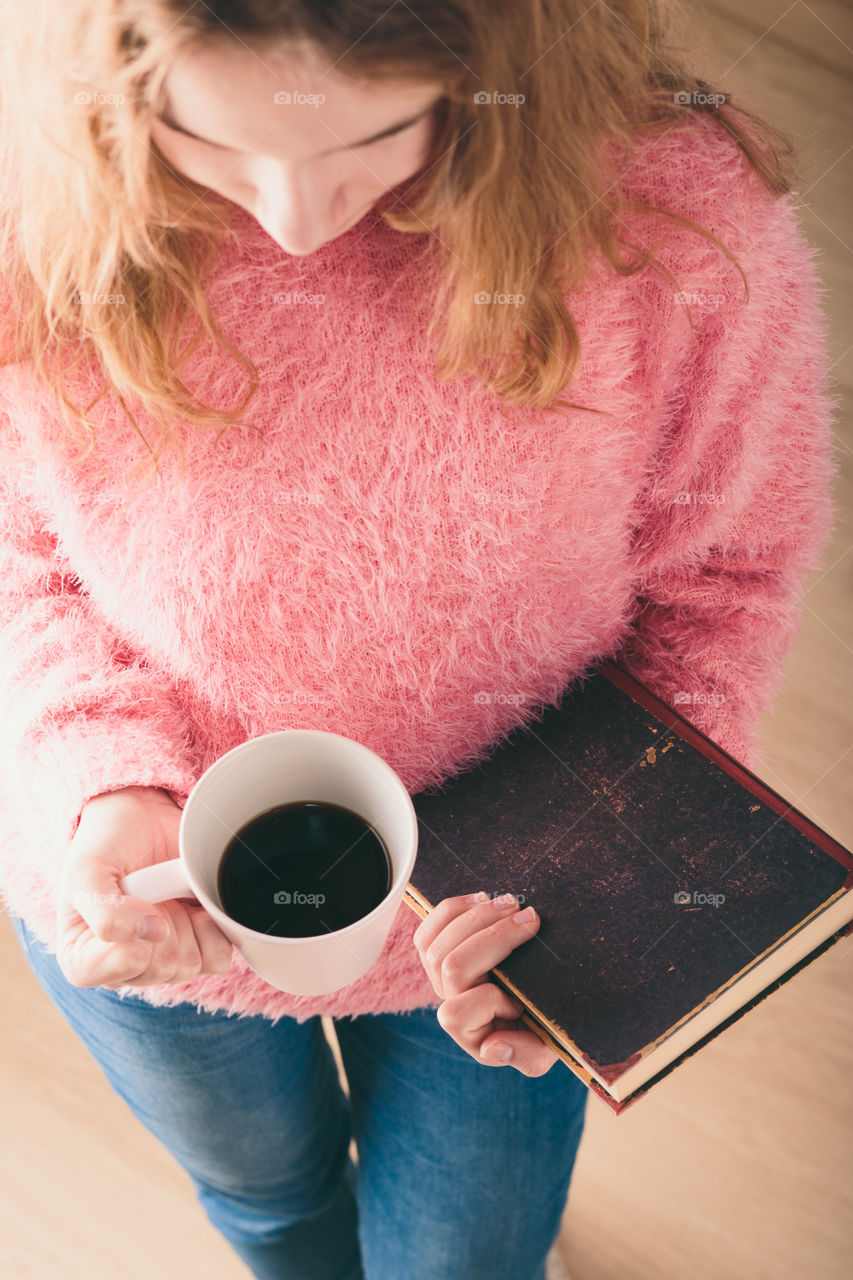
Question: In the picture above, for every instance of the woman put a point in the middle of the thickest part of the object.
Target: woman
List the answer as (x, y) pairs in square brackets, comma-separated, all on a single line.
[(413, 227)]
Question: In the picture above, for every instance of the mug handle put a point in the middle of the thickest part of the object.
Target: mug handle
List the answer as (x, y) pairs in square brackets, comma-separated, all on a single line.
[(158, 882)]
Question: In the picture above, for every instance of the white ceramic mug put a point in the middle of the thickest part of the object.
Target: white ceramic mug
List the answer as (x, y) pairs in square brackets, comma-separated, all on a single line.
[(274, 769)]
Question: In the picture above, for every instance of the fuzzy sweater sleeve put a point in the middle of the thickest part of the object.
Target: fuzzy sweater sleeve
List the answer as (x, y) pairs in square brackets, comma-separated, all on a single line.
[(81, 713), (738, 507)]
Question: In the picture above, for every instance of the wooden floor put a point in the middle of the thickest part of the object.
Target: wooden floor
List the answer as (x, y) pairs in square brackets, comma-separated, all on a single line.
[(739, 1165)]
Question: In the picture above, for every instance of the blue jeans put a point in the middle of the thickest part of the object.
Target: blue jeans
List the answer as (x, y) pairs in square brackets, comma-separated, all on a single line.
[(463, 1169)]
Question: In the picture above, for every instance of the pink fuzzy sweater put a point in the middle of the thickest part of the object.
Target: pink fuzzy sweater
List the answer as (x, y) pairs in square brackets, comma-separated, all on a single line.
[(394, 547)]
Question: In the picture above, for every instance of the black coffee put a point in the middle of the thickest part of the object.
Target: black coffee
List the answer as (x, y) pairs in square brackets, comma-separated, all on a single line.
[(302, 869)]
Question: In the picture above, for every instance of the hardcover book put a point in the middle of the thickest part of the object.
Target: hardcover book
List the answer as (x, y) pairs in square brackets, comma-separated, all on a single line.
[(675, 889)]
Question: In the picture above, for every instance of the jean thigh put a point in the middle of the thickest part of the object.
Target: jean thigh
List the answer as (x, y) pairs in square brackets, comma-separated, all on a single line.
[(252, 1110), (464, 1169)]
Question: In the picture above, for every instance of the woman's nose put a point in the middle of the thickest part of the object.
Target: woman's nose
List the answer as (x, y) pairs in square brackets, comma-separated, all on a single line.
[(300, 211)]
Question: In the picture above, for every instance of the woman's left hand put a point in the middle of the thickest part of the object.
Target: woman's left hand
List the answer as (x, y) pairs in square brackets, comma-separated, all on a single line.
[(459, 942)]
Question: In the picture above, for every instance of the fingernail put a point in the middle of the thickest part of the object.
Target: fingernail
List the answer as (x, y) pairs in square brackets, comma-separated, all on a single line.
[(152, 929), (498, 1050), (504, 901), (477, 897), (525, 916)]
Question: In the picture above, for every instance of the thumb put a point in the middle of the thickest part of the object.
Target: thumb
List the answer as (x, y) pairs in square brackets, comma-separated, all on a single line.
[(92, 891), (520, 1049)]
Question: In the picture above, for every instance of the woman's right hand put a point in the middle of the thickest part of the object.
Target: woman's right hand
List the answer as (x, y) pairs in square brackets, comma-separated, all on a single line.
[(100, 942)]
